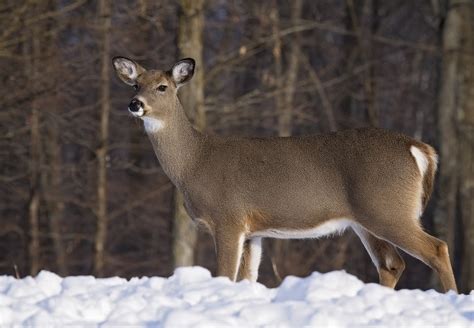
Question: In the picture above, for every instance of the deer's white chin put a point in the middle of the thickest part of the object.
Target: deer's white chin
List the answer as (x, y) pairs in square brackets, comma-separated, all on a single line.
[(138, 113), (152, 124)]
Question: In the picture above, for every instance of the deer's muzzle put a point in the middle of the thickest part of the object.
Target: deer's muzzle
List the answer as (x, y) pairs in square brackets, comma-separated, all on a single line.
[(136, 107)]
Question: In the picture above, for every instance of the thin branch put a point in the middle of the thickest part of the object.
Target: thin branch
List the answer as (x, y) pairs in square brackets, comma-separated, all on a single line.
[(328, 110)]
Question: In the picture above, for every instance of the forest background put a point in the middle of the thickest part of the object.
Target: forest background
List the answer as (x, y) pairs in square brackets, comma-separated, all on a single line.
[(81, 191)]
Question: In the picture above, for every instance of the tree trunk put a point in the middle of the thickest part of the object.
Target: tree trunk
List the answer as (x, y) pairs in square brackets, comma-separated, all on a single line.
[(35, 150), (52, 142), (285, 85), (365, 27), (190, 40), (284, 114), (102, 157), (456, 127), (362, 19), (368, 28), (55, 203), (33, 208), (465, 129), (56, 207)]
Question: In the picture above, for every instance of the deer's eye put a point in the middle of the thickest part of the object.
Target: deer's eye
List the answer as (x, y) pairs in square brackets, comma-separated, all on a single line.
[(162, 88), (136, 87)]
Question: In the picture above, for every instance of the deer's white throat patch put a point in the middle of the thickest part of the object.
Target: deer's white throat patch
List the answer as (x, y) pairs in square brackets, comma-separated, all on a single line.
[(153, 125)]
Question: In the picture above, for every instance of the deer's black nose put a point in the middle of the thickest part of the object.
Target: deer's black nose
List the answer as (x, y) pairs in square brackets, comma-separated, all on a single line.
[(135, 105)]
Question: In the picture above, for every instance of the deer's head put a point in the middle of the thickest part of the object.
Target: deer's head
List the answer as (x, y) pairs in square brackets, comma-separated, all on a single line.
[(156, 90)]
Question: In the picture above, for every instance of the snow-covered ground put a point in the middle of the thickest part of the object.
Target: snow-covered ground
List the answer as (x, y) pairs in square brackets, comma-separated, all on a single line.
[(191, 297)]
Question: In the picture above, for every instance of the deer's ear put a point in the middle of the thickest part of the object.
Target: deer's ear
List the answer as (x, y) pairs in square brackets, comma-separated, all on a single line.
[(127, 70), (183, 71)]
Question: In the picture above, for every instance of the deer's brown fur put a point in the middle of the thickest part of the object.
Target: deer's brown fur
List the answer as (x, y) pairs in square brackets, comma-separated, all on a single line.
[(248, 188)]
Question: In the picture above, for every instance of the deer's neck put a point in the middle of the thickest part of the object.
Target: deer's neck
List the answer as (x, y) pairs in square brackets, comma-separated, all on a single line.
[(176, 143)]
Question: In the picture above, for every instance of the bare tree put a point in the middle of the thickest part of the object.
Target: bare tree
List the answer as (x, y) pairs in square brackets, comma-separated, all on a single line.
[(365, 26), (102, 150), (456, 127), (33, 44), (190, 43), (52, 144), (285, 84)]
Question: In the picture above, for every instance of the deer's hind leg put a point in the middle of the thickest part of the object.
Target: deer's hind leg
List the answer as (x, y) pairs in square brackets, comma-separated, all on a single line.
[(390, 265), (411, 238)]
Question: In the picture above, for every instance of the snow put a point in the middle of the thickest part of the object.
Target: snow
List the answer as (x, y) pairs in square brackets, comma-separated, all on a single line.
[(192, 298)]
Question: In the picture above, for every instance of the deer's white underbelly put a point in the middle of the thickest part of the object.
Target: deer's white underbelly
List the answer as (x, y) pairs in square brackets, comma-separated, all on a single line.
[(334, 226)]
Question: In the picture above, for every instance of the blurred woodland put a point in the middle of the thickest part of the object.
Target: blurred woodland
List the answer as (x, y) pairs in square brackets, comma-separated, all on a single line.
[(81, 190)]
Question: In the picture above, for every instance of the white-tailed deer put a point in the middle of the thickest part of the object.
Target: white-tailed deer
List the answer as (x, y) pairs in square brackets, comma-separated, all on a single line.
[(245, 189)]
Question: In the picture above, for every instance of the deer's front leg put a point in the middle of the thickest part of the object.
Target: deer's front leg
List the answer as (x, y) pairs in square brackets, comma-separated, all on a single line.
[(229, 246)]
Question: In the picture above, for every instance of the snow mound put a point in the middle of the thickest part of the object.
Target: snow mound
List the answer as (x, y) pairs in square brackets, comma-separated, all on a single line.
[(192, 298)]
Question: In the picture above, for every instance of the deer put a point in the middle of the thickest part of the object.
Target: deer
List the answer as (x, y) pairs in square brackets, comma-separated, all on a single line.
[(244, 189)]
